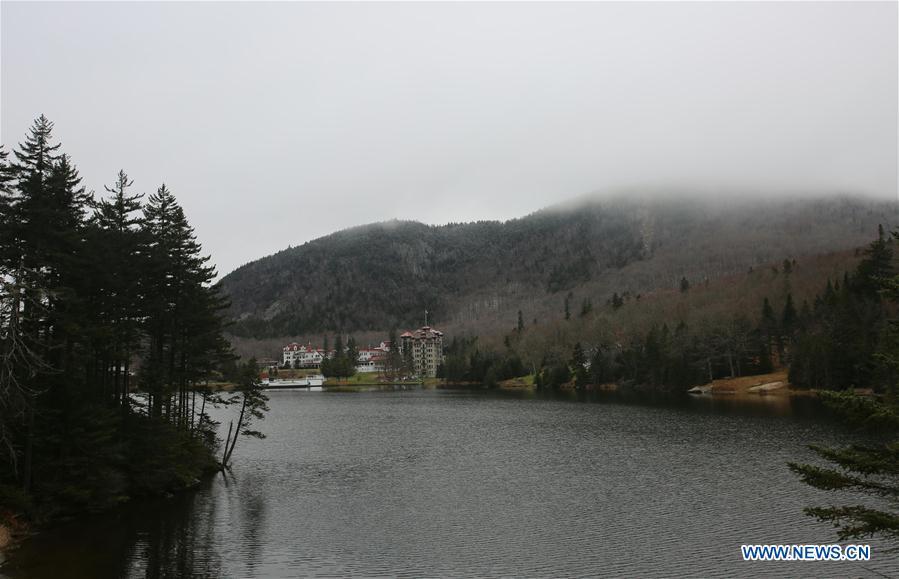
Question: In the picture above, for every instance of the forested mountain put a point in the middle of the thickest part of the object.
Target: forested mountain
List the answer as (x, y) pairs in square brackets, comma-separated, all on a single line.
[(474, 277)]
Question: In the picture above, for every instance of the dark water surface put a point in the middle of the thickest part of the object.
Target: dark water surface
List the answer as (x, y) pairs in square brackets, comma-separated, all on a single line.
[(455, 483)]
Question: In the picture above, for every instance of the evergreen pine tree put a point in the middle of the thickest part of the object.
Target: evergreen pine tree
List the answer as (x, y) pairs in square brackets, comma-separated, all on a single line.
[(78, 297), (409, 359), (790, 316), (254, 404), (45, 230), (579, 363), (337, 364), (183, 311), (352, 357), (394, 361), (876, 267), (768, 333), (871, 469), (118, 238), (586, 307), (35, 159), (7, 181)]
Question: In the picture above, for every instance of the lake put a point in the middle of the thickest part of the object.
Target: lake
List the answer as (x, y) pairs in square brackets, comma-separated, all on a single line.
[(449, 483)]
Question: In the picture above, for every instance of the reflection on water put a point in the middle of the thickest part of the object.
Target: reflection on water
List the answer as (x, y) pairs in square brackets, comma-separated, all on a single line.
[(153, 539), (460, 483), (802, 407)]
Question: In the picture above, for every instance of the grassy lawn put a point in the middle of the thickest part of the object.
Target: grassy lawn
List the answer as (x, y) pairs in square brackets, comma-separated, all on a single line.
[(357, 378), (362, 377)]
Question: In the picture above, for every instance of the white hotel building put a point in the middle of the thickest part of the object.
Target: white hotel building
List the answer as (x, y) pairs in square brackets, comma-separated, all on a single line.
[(370, 359), (302, 356)]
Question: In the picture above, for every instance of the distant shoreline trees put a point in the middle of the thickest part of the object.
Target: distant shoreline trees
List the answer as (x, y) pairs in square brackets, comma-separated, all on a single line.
[(342, 364), (839, 342), (845, 339), (466, 362)]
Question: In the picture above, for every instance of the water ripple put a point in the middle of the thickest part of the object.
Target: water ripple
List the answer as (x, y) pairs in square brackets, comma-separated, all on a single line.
[(448, 484)]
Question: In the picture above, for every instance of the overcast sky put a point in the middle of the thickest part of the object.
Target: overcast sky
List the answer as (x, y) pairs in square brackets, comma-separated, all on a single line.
[(278, 123)]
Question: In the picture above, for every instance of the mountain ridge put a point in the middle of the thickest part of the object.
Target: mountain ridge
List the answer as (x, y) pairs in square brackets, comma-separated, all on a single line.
[(382, 275)]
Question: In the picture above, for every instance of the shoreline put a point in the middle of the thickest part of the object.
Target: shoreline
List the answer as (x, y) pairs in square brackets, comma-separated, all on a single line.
[(755, 386), (12, 533)]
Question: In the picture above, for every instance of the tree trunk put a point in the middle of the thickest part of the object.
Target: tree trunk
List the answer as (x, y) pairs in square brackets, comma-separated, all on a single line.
[(126, 381), (230, 450), (202, 410), (225, 454), (29, 449), (193, 410)]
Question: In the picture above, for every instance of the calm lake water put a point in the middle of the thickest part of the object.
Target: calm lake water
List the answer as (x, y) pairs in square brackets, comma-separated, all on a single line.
[(459, 483)]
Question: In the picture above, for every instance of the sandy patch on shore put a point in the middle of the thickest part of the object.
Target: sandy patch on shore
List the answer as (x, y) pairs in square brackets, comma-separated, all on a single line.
[(743, 384), (5, 537)]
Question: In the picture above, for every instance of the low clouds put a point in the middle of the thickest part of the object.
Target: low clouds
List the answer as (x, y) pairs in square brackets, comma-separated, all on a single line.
[(278, 123)]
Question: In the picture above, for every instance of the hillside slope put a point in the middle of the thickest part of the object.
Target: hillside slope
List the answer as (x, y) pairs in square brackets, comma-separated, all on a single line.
[(474, 276)]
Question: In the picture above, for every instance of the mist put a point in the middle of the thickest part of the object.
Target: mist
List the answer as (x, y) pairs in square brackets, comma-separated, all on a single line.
[(278, 123)]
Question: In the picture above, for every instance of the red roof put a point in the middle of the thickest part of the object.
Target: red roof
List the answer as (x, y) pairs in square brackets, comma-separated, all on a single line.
[(423, 333)]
